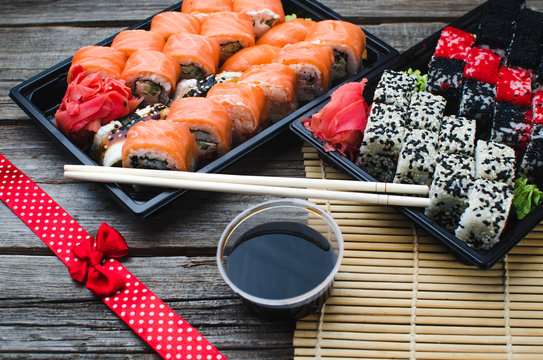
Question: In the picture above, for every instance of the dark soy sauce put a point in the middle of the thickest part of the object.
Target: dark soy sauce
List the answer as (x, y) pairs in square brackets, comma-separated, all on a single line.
[(279, 260)]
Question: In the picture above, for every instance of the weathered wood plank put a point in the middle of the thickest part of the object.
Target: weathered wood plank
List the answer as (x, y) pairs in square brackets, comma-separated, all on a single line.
[(35, 12), (190, 225), (51, 314)]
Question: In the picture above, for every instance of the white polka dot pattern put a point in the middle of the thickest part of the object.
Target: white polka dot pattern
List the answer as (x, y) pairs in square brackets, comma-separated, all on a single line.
[(135, 304)]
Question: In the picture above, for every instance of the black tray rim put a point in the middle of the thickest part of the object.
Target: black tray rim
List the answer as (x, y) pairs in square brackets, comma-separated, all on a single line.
[(481, 259), (149, 207)]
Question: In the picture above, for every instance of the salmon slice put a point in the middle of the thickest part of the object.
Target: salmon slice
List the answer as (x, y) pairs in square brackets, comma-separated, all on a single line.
[(169, 23), (151, 75), (264, 14), (160, 144), (312, 64), (254, 55), (109, 62), (233, 31), (131, 41), (202, 8), (348, 41), (291, 32), (278, 82), (208, 120), (245, 104), (198, 55)]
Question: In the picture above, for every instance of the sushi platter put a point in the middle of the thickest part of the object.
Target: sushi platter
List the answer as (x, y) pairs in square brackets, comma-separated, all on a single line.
[(41, 97), (447, 101)]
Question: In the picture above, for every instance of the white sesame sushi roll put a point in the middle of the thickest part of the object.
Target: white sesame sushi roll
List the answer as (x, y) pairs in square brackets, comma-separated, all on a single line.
[(416, 162), (486, 215), (495, 162)]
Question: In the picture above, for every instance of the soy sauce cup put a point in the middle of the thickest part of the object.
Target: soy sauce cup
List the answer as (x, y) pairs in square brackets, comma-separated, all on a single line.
[(281, 257)]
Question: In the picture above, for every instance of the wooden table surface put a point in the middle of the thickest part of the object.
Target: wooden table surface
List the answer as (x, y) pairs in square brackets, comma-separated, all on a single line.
[(43, 313)]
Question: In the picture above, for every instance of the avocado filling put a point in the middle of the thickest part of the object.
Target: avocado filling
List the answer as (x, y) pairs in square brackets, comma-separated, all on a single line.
[(206, 146), (144, 162), (340, 63), (192, 72), (149, 90), (270, 22), (307, 80), (230, 48)]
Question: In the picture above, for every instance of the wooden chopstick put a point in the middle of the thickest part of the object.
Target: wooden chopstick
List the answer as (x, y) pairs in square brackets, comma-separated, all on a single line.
[(343, 185), (165, 179)]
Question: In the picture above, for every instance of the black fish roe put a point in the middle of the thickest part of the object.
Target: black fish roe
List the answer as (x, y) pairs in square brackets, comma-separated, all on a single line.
[(495, 32), (524, 52), (532, 162), (504, 9), (511, 125), (477, 103), (445, 79)]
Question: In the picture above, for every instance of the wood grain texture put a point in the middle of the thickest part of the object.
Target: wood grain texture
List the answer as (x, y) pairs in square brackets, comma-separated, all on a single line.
[(43, 314)]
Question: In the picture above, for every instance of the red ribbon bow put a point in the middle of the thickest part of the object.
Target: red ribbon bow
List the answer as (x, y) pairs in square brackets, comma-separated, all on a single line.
[(91, 252)]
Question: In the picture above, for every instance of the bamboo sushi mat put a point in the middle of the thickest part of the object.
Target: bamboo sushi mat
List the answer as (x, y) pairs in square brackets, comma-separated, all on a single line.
[(400, 294)]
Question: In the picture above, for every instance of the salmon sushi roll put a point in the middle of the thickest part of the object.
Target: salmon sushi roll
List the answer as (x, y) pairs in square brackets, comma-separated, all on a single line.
[(312, 64), (105, 60), (278, 82), (348, 41), (290, 32), (232, 31), (263, 13), (130, 41), (160, 144), (245, 104), (202, 8), (169, 23), (209, 122), (197, 55), (151, 75), (254, 55)]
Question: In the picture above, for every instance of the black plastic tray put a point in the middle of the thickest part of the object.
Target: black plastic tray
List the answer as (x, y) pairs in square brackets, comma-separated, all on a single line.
[(417, 58), (41, 95)]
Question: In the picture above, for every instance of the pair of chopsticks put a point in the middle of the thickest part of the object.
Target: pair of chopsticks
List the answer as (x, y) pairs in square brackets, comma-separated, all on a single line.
[(342, 190)]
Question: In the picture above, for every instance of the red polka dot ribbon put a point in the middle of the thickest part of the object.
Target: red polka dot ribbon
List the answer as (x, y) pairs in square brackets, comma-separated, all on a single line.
[(135, 304)]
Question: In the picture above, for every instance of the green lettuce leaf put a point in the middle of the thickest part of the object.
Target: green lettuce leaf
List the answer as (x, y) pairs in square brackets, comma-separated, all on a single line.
[(526, 197), (293, 16), (421, 79)]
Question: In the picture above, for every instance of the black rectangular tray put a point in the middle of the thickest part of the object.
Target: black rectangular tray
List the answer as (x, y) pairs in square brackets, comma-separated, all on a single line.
[(418, 57), (41, 95)]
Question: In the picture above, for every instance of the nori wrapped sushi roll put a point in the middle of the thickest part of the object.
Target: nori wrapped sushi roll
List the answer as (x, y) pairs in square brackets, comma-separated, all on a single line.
[(484, 219)]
